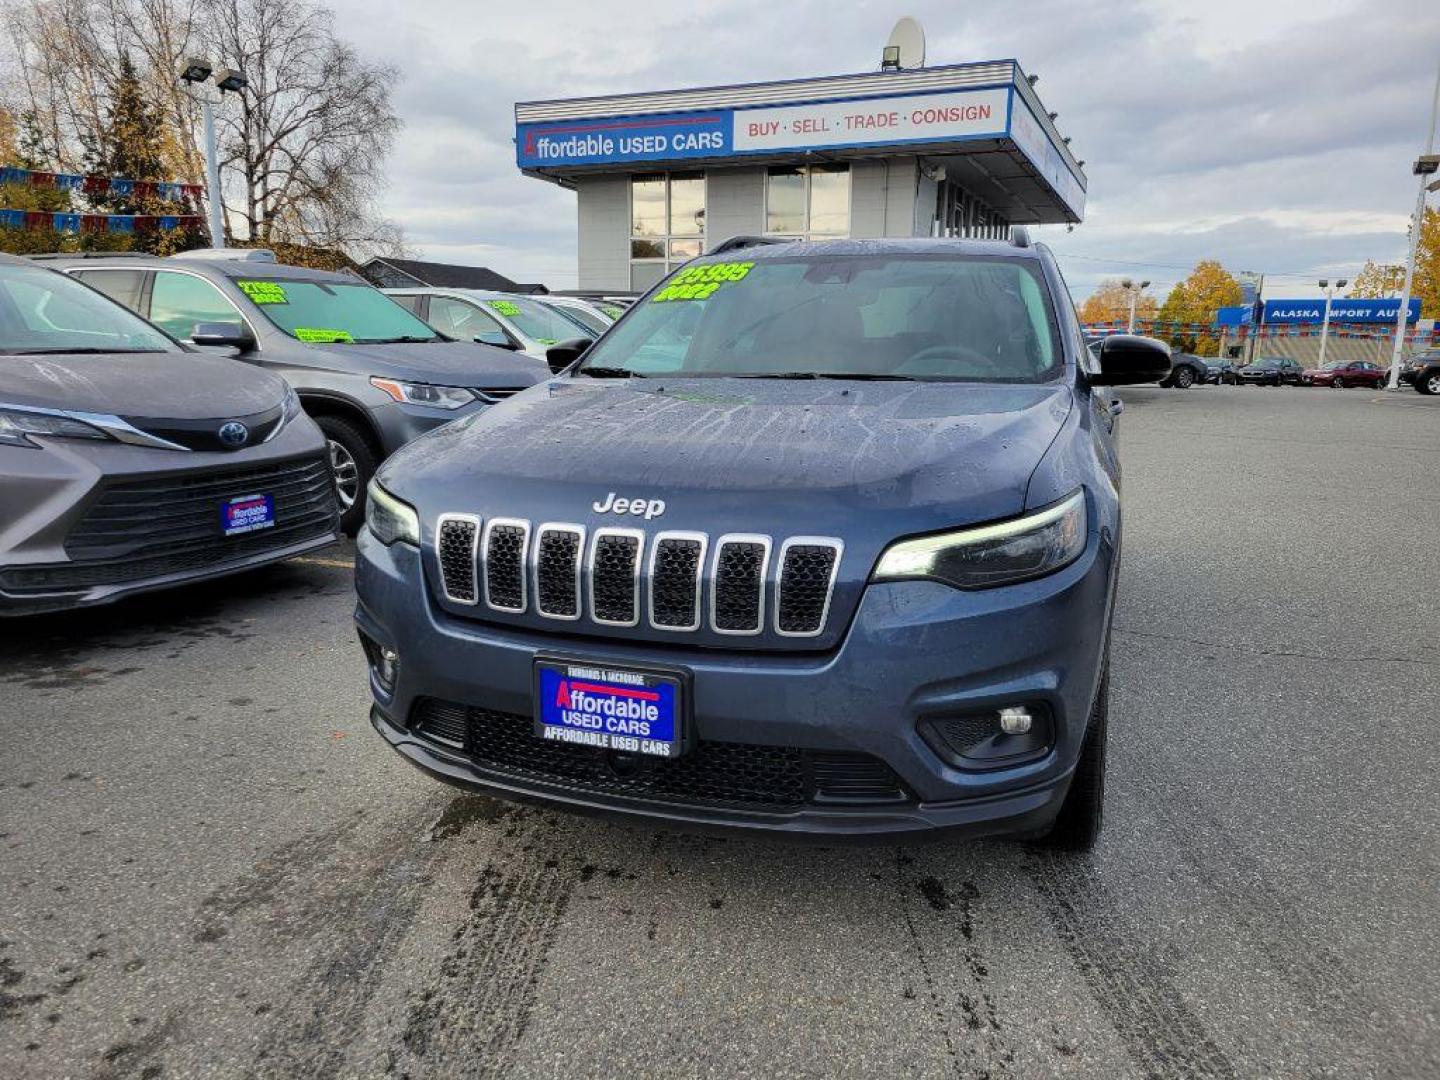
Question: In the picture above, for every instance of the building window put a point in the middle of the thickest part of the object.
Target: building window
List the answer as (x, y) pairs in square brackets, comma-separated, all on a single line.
[(810, 203), (667, 224)]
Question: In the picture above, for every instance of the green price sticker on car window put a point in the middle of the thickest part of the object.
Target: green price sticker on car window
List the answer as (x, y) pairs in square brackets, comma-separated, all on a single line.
[(264, 292), (321, 337), (700, 282), (505, 307)]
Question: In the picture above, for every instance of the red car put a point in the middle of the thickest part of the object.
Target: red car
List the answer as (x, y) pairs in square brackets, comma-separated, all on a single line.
[(1343, 373)]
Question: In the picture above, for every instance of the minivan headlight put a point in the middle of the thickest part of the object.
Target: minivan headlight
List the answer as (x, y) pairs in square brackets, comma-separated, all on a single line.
[(389, 518), (1001, 554), (16, 425)]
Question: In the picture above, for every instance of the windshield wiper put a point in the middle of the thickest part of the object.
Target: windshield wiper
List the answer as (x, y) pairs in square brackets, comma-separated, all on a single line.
[(858, 376), (79, 351), (411, 340), (610, 373)]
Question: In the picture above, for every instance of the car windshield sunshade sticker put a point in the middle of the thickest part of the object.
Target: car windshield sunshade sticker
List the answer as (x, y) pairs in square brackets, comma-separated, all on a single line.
[(699, 282), (322, 337), (505, 307), (264, 292)]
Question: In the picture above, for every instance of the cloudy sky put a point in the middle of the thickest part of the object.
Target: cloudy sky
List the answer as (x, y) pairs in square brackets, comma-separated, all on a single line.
[(1276, 136)]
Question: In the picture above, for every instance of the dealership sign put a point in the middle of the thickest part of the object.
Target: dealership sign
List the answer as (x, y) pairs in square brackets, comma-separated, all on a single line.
[(1280, 312), (894, 120)]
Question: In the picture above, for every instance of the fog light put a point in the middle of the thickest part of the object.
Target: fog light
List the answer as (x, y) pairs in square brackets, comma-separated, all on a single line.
[(388, 662), (1015, 720)]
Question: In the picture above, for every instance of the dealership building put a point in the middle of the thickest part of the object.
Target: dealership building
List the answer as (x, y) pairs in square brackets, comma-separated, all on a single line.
[(659, 177)]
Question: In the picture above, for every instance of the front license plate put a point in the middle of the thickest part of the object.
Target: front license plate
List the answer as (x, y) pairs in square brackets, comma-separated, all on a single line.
[(641, 712), (247, 514)]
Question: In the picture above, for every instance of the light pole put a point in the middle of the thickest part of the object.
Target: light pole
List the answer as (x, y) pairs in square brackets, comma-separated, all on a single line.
[(194, 71), (1427, 165), (1325, 320), (1134, 291)]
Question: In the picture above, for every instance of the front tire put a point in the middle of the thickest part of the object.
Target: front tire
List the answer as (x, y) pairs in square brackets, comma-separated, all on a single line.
[(1428, 383), (1082, 814), (353, 461), (1183, 379)]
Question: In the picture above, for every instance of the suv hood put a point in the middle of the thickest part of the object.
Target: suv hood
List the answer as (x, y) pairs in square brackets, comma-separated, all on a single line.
[(446, 363), (182, 386), (751, 452)]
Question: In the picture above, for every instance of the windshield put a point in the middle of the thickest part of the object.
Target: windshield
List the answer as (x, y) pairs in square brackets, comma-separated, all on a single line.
[(586, 319), (325, 311), (922, 317), (44, 311), (537, 321)]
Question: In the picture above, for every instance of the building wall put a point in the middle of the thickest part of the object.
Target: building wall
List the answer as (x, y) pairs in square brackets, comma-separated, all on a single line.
[(603, 208), (734, 203)]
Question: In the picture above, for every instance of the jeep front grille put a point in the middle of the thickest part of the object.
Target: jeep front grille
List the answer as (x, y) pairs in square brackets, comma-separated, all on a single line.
[(621, 577)]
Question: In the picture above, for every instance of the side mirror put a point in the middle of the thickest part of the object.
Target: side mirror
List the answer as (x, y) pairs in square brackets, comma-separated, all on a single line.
[(562, 355), (1129, 358), (497, 340), (222, 334)]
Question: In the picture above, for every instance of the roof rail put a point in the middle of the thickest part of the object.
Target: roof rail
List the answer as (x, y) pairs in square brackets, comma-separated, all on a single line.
[(735, 243), (41, 256), (1020, 236), (264, 255)]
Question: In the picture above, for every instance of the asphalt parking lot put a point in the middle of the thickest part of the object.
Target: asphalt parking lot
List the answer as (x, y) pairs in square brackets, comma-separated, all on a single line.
[(212, 867)]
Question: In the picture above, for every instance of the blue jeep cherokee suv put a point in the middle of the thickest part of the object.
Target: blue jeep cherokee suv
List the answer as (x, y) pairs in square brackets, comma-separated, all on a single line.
[(819, 538)]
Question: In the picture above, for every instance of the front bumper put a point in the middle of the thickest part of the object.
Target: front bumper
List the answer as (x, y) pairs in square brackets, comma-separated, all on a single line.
[(399, 423), (914, 651), (47, 494)]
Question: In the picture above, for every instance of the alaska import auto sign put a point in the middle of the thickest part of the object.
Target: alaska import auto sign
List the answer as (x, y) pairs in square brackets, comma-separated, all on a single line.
[(1344, 310)]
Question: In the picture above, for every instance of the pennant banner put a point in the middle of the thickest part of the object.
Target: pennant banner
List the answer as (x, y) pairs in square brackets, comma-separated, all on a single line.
[(94, 223), (172, 190)]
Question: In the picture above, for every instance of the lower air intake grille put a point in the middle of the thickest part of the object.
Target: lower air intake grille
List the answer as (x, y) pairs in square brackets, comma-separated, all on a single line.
[(739, 585), (614, 587), (557, 572), (505, 564), (807, 572), (744, 775), (455, 548), (675, 582)]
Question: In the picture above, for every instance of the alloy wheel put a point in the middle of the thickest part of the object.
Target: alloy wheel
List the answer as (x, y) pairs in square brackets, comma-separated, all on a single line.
[(347, 475)]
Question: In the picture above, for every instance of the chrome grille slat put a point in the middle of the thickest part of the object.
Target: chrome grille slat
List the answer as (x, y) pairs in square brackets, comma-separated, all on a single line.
[(503, 561), (457, 542), (615, 576), (737, 584), (677, 566), (804, 584), (559, 549)]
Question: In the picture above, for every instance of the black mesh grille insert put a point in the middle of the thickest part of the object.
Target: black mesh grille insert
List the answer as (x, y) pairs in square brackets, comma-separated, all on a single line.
[(739, 582), (805, 588), (960, 733), (505, 567), (455, 549), (557, 573), (742, 775), (675, 582), (612, 578)]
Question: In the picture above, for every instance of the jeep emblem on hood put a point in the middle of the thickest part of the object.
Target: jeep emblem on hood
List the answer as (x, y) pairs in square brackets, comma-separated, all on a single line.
[(646, 508)]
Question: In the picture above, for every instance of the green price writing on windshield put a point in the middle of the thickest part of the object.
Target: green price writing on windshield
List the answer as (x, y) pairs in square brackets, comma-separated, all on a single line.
[(505, 307), (322, 337), (699, 282), (264, 292)]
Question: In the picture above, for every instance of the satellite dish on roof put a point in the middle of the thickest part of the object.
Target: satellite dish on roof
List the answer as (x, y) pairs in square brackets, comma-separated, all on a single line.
[(906, 47)]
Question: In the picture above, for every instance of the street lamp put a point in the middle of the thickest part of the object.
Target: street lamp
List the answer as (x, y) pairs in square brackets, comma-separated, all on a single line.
[(1134, 291), (1325, 321), (194, 71), (1427, 165)]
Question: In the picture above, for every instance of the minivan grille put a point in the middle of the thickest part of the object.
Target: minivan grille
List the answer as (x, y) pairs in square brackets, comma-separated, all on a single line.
[(742, 775), (624, 578)]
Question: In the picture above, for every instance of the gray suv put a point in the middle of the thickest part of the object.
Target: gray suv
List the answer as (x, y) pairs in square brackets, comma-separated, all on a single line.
[(370, 372), (129, 462)]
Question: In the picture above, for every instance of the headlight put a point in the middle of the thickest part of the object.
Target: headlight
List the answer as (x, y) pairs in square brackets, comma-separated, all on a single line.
[(1002, 554), (389, 518), (438, 397), (16, 425), (292, 406)]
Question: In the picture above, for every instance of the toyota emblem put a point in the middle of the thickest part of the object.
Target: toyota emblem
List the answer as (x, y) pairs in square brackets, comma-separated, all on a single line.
[(234, 434)]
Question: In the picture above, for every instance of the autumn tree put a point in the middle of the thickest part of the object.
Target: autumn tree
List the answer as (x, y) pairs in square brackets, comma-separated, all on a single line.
[(1111, 301), (1195, 300), (1387, 279)]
